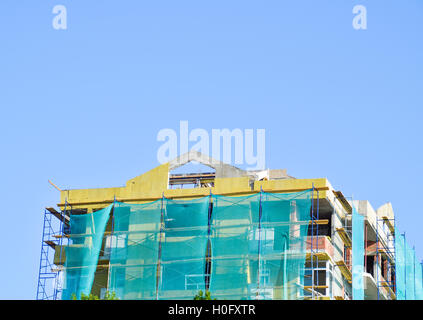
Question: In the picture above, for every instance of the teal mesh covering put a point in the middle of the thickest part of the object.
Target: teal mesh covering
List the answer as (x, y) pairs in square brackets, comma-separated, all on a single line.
[(400, 270), (248, 247), (408, 271), (251, 247), (418, 281), (134, 250), (283, 242), (357, 255), (183, 252), (410, 293), (259, 246), (234, 245), (82, 254)]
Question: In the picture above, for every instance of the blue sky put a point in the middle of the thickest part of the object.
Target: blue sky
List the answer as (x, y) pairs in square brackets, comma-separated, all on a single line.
[(83, 106)]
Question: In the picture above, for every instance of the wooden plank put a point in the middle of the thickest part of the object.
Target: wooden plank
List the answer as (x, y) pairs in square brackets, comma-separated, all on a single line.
[(58, 236), (58, 215), (346, 272), (344, 237), (389, 289), (320, 255), (344, 202), (50, 243), (319, 222), (311, 288), (389, 224)]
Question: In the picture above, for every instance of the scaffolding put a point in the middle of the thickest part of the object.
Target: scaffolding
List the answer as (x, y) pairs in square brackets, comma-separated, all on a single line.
[(314, 245), (56, 237), (344, 264), (315, 255), (385, 257), (50, 274)]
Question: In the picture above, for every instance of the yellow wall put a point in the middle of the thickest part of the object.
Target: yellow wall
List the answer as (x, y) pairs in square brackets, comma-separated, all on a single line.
[(152, 184), (292, 185)]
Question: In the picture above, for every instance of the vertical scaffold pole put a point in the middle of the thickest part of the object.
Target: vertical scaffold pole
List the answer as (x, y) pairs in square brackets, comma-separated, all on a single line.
[(394, 280), (208, 262), (40, 285), (405, 268), (112, 237), (158, 273), (61, 234), (317, 229), (259, 243), (421, 271), (311, 244), (414, 271), (377, 259)]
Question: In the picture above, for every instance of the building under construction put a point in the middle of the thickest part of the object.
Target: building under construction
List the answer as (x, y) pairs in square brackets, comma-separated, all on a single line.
[(239, 234)]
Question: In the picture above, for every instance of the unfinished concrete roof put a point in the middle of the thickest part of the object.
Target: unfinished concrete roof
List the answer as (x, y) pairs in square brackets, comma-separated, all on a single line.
[(224, 170)]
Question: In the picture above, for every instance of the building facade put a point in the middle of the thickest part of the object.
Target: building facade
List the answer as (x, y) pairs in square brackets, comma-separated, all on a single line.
[(339, 259)]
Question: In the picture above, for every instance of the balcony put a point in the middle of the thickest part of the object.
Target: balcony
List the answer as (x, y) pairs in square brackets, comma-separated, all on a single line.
[(322, 248)]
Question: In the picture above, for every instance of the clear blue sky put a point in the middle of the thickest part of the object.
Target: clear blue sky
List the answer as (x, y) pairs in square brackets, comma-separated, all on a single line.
[(83, 106)]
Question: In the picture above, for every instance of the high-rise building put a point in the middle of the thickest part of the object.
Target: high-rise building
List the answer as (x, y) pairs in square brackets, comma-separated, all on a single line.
[(240, 234)]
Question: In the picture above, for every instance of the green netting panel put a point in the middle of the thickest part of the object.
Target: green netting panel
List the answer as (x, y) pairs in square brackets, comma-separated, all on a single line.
[(357, 255), (284, 223), (82, 254), (418, 280), (259, 246), (400, 270), (234, 245), (408, 271), (410, 291), (183, 252), (134, 250)]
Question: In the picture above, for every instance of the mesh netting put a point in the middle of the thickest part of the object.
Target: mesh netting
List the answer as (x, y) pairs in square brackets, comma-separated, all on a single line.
[(134, 250), (400, 270), (357, 255), (418, 280), (410, 292), (234, 249), (241, 248), (183, 248), (284, 223), (83, 251), (251, 247), (259, 246), (408, 271)]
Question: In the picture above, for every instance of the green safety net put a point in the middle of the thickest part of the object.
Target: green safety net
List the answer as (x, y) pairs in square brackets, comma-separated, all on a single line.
[(357, 255), (159, 249), (418, 280), (410, 283), (408, 271), (258, 246), (234, 248), (82, 253), (247, 247), (400, 269), (183, 248), (284, 224), (134, 250), (250, 247)]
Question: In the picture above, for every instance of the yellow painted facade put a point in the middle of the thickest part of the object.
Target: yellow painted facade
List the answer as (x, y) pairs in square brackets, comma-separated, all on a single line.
[(154, 183)]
